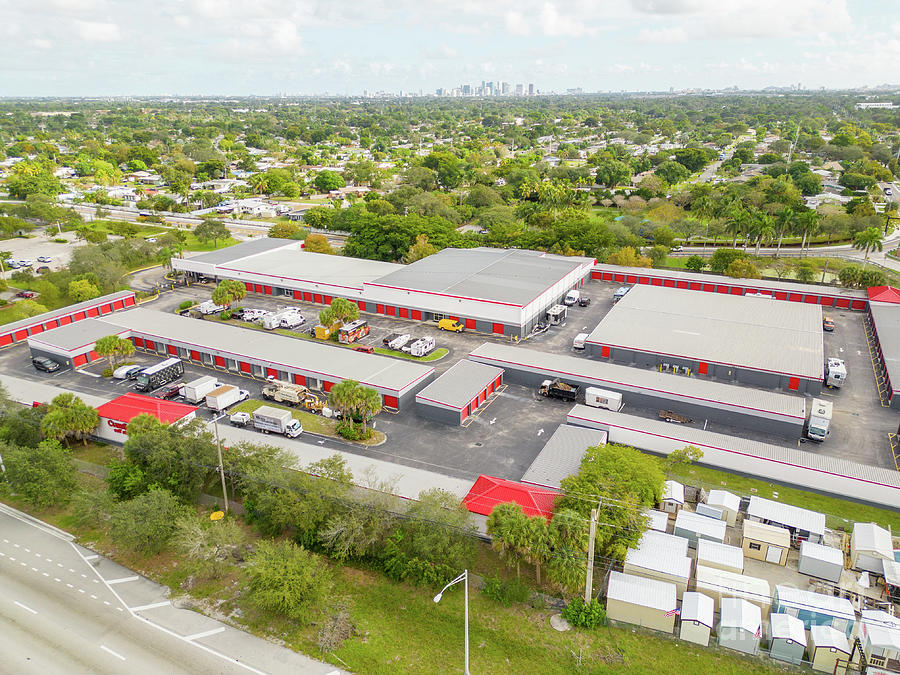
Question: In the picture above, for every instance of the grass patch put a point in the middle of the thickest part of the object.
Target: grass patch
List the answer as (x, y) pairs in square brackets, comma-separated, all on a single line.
[(194, 244), (436, 355), (312, 423), (96, 453), (837, 511)]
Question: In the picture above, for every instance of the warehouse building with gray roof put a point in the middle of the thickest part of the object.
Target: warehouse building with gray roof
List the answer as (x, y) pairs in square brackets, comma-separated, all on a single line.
[(459, 393)]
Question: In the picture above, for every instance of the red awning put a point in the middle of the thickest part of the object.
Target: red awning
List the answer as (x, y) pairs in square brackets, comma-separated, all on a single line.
[(127, 407), (884, 294), (489, 491)]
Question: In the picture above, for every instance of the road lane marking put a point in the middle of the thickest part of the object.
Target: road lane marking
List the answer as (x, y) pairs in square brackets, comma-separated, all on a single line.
[(34, 569), (206, 633), (16, 545), (110, 651), (93, 596), (70, 585), (25, 607), (81, 590), (152, 605), (27, 550), (45, 574), (91, 557), (57, 579), (123, 580)]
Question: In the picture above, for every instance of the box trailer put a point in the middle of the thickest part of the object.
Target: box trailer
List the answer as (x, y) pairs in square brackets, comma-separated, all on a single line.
[(275, 420), (819, 419), (601, 398), (224, 396), (196, 390)]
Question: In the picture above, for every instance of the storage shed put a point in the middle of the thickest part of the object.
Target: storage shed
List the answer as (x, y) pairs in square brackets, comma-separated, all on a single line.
[(720, 556), (803, 524), (658, 520), (740, 626), (672, 497), (488, 492), (697, 616), (709, 511), (729, 503), (561, 455), (829, 650), (720, 584), (649, 603), (765, 542), (660, 556), (459, 392), (693, 527), (821, 562), (879, 635), (787, 638), (815, 609), (869, 546)]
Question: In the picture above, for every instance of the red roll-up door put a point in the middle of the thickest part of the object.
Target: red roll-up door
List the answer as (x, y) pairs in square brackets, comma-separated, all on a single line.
[(379, 309), (326, 386), (604, 352), (656, 282), (473, 406), (271, 372), (695, 285), (722, 289), (79, 360), (490, 388), (702, 368), (643, 280), (416, 314), (709, 288), (361, 305), (307, 296), (403, 312), (858, 304), (483, 396), (497, 328), (811, 299), (630, 279), (498, 380), (463, 414), (172, 349), (219, 361), (267, 290), (453, 318), (119, 304), (36, 329), (195, 355), (681, 284), (249, 286), (93, 311), (826, 301), (21, 334), (93, 356), (245, 367), (50, 325), (298, 295), (326, 299), (5, 340), (106, 309), (149, 344), (795, 297), (299, 379), (619, 277), (737, 290), (138, 342), (669, 283), (843, 303), (79, 316), (390, 310), (257, 288), (780, 295), (470, 324), (65, 320), (391, 401), (794, 383), (129, 301), (317, 298)]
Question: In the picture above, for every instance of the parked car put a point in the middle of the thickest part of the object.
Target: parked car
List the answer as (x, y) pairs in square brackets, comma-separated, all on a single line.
[(26, 294), (45, 364), (44, 259), (170, 391), (13, 264), (25, 263), (677, 249), (365, 349), (126, 372), (451, 324), (827, 323), (43, 269), (583, 301)]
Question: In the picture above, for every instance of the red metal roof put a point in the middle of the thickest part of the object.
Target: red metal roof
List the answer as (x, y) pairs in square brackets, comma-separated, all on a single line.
[(127, 407), (884, 294), (489, 491)]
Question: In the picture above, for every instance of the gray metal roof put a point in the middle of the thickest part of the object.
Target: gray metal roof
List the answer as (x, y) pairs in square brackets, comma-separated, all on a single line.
[(503, 275), (832, 475), (826, 636), (719, 553), (239, 251), (698, 607), (887, 325), (653, 560), (459, 384), (326, 361), (624, 379), (786, 514), (641, 591), (724, 498), (64, 311), (739, 613), (833, 556), (788, 596), (562, 454), (787, 627), (75, 335), (703, 525), (872, 538), (748, 332)]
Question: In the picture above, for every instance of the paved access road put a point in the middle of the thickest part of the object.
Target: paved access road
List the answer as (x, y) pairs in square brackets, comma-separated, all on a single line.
[(64, 609)]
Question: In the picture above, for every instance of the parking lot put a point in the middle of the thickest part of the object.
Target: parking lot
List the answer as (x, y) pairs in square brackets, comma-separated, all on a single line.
[(41, 244)]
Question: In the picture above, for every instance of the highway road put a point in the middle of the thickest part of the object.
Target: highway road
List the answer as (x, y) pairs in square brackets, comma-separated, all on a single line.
[(64, 609)]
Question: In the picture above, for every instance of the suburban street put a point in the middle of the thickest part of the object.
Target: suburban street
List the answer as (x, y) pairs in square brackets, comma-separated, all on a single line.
[(65, 609)]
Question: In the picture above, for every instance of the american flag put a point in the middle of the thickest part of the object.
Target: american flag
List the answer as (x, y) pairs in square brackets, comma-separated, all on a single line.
[(673, 612), (758, 633)]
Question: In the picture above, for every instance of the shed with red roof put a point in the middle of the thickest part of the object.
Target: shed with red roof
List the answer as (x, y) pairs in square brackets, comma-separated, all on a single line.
[(488, 492), (116, 414)]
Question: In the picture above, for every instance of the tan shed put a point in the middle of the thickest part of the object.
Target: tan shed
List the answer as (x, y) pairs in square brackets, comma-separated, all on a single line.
[(649, 603), (721, 584), (660, 556), (720, 556), (829, 650), (697, 616), (766, 542)]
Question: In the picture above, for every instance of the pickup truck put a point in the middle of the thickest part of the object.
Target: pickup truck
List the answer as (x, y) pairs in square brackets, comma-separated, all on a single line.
[(559, 389)]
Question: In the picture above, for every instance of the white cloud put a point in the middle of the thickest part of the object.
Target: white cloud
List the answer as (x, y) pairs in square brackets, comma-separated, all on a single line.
[(555, 24), (40, 43), (97, 31), (516, 24), (663, 36), (666, 6)]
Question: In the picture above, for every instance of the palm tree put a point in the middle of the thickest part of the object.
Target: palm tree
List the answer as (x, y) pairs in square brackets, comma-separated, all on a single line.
[(785, 224), (867, 240), (369, 405), (763, 229), (736, 223), (344, 396), (809, 224)]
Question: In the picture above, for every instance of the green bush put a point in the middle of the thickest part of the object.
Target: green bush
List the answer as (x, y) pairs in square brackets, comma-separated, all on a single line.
[(582, 615), (107, 372), (226, 315), (401, 567), (60, 240), (186, 304), (353, 432), (505, 592)]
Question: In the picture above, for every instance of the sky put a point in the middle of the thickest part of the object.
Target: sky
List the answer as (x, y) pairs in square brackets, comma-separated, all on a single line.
[(266, 47)]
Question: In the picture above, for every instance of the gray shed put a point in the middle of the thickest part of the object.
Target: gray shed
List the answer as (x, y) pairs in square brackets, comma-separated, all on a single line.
[(787, 638), (822, 562), (459, 392), (694, 527), (740, 625)]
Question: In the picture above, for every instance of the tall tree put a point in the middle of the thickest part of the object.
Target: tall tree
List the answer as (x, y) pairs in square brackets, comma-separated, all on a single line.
[(229, 291), (421, 249), (67, 416), (114, 348), (211, 230), (869, 239), (43, 475)]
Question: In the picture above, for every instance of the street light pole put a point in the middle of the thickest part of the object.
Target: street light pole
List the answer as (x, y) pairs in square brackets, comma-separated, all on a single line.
[(464, 577), (221, 465)]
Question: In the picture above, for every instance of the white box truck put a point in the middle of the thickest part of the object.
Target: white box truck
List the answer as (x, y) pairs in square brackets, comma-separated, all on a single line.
[(819, 420), (835, 373), (580, 339), (292, 320), (222, 397), (275, 420), (602, 398), (273, 320), (196, 390)]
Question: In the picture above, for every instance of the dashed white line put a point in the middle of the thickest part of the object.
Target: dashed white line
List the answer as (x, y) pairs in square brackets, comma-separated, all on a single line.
[(57, 579), (206, 633), (59, 564), (153, 605), (93, 596), (27, 550), (106, 602), (12, 559), (34, 569), (25, 607), (110, 651), (16, 545), (45, 574), (71, 570), (23, 564), (81, 590), (6, 541), (123, 580), (70, 585), (84, 576)]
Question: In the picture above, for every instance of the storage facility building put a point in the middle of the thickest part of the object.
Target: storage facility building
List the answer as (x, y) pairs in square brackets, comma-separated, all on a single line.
[(769, 543), (72, 345), (693, 527), (787, 638), (822, 562), (721, 584), (500, 291), (562, 454), (660, 556), (640, 601), (115, 415), (815, 609), (870, 545), (756, 409), (740, 626), (773, 463), (728, 502), (720, 556), (697, 617), (488, 492), (751, 340), (829, 650), (884, 318), (459, 392)]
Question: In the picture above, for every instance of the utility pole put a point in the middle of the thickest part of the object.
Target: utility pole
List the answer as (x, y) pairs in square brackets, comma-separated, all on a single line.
[(589, 581), (221, 466)]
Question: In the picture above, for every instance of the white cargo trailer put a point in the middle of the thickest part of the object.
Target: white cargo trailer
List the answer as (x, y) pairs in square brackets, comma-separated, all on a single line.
[(602, 398), (819, 419), (224, 396), (196, 390)]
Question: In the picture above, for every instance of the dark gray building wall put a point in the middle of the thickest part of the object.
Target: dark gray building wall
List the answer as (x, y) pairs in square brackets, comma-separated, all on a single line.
[(65, 364), (437, 414)]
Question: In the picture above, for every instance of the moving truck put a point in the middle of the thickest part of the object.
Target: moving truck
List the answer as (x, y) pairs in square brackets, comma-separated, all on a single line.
[(196, 390), (275, 420), (285, 318), (225, 396), (819, 419), (835, 373)]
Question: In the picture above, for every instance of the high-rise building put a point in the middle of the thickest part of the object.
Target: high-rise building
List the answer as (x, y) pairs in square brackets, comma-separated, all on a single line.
[(520, 89), (467, 90), (504, 88), (531, 89)]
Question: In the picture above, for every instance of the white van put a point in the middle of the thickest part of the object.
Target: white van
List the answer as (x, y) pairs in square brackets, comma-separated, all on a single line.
[(578, 342), (571, 298)]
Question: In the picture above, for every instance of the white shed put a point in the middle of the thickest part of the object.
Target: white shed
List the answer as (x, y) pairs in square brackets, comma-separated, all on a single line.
[(693, 527), (729, 503), (787, 638), (672, 497), (720, 556), (740, 625), (660, 556), (879, 634), (803, 524), (697, 616), (822, 562), (829, 650), (721, 584), (869, 546), (640, 601), (657, 520)]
